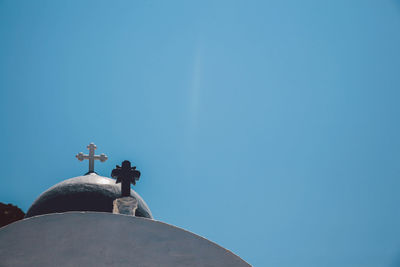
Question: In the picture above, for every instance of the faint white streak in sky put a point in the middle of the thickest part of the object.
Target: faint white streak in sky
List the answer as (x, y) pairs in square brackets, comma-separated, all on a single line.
[(193, 112), (194, 91)]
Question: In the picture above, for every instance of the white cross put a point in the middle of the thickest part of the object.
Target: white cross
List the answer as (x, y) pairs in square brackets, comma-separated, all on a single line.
[(91, 157)]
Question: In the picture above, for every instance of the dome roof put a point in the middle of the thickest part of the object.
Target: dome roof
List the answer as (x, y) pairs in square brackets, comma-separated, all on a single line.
[(83, 193)]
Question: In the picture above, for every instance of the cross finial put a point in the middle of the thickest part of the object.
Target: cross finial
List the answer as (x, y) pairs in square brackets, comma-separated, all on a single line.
[(125, 175), (91, 157)]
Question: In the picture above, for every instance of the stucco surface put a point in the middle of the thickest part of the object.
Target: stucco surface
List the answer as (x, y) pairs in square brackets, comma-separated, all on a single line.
[(105, 239)]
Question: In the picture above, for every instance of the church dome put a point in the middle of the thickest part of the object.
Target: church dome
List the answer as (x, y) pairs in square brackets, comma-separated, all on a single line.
[(83, 193)]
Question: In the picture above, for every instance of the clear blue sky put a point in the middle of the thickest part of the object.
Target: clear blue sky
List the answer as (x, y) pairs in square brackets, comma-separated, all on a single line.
[(269, 127)]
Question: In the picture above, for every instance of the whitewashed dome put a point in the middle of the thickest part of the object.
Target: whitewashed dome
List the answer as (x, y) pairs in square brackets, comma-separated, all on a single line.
[(83, 193)]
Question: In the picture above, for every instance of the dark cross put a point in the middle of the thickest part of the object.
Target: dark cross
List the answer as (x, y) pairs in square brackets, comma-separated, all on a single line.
[(125, 175)]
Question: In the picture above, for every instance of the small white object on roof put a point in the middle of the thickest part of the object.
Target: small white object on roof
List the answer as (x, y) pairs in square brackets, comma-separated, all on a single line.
[(125, 205)]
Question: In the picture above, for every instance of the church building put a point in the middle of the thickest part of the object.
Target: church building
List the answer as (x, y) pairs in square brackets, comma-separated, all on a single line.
[(92, 220)]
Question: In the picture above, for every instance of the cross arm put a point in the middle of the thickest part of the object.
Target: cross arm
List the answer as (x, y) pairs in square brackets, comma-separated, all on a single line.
[(80, 156), (116, 174), (134, 176), (102, 157)]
